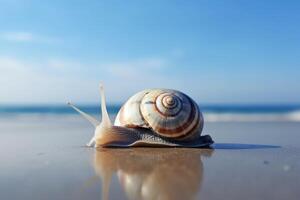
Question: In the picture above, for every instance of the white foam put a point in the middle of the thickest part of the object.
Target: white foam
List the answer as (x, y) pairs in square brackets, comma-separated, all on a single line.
[(253, 117), (294, 116)]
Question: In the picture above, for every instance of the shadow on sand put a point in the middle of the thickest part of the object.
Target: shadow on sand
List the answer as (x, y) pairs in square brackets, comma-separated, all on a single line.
[(236, 146)]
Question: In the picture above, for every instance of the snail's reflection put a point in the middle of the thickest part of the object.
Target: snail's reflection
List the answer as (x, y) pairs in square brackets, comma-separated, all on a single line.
[(152, 173)]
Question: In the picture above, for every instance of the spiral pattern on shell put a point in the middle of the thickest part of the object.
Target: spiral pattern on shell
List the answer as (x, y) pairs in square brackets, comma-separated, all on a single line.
[(169, 113)]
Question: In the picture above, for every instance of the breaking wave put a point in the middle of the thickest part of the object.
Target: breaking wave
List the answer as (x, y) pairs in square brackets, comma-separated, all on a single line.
[(252, 117)]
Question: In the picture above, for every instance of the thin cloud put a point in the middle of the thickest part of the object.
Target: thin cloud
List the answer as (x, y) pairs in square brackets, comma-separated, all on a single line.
[(62, 64), (17, 36), (22, 36), (136, 68), (25, 81), (57, 80)]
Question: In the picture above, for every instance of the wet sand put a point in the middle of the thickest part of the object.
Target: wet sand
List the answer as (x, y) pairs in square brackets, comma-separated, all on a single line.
[(43, 157)]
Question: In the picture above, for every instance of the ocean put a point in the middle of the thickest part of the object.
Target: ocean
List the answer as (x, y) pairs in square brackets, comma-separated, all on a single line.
[(212, 113)]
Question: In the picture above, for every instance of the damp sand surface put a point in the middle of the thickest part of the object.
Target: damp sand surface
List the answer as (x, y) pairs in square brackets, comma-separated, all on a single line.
[(43, 157)]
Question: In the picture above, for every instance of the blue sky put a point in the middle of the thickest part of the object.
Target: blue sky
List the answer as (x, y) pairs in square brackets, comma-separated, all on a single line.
[(215, 51)]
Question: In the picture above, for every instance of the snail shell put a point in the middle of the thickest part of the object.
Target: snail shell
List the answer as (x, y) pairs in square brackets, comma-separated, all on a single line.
[(152, 117), (169, 113)]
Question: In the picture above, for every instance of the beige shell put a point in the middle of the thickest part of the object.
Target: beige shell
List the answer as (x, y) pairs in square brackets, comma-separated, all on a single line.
[(169, 113)]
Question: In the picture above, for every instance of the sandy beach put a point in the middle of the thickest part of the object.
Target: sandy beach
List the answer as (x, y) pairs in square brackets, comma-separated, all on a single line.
[(43, 157)]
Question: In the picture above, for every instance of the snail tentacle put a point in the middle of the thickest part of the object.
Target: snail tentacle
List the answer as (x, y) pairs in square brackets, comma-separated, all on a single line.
[(105, 117), (91, 119)]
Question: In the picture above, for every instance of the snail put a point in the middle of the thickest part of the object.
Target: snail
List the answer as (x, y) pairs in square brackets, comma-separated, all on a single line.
[(152, 117)]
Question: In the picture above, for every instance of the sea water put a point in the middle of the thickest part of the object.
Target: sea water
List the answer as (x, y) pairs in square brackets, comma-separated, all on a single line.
[(212, 113)]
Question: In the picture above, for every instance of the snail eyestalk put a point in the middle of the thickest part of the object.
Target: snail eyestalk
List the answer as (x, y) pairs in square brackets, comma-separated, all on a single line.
[(91, 119), (105, 117), (105, 124)]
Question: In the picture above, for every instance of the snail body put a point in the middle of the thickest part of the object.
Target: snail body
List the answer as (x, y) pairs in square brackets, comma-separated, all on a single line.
[(152, 117)]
